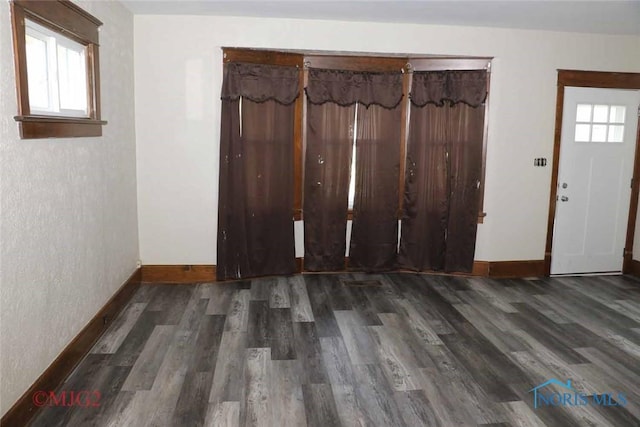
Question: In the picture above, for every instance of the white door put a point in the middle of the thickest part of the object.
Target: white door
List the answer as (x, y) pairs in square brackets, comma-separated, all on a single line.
[(594, 179)]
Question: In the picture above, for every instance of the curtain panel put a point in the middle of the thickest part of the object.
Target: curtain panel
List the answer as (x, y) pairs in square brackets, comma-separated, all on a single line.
[(374, 231), (326, 185), (466, 130), (425, 204), (255, 223), (444, 166), (333, 97)]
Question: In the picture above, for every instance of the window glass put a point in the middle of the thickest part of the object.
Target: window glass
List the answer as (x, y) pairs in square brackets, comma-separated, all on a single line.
[(72, 78), (599, 133), (600, 113), (616, 133), (37, 76), (352, 179), (583, 113), (617, 114), (583, 133)]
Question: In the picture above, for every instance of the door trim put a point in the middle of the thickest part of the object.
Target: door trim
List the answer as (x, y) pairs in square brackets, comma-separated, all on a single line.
[(593, 79)]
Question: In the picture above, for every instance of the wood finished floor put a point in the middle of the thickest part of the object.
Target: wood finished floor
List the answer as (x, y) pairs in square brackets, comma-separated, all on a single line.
[(418, 350)]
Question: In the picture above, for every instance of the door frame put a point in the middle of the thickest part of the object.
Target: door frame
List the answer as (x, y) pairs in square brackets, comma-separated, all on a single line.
[(593, 79)]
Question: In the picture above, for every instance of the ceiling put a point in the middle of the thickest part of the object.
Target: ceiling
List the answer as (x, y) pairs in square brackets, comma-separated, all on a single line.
[(588, 16)]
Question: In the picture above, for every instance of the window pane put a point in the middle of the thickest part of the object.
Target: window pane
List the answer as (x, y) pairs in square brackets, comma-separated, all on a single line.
[(583, 113), (72, 75), (600, 113), (352, 179), (599, 133), (617, 114), (37, 73), (616, 133), (582, 133)]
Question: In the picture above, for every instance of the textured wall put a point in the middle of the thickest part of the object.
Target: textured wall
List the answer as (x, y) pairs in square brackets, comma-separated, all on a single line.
[(178, 80), (68, 232)]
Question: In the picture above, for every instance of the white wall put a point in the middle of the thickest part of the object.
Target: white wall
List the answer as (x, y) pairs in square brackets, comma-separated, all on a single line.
[(69, 235), (179, 74)]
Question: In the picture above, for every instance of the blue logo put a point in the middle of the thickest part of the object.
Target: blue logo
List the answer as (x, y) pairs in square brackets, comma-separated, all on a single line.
[(570, 397)]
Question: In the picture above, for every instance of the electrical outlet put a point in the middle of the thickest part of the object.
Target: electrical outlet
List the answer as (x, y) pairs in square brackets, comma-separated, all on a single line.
[(138, 264), (540, 161)]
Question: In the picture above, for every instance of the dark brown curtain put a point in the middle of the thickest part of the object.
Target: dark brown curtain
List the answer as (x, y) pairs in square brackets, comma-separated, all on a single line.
[(332, 96), (326, 185), (466, 129), (444, 165), (374, 234), (449, 88), (348, 87), (255, 224), (426, 201), (259, 82)]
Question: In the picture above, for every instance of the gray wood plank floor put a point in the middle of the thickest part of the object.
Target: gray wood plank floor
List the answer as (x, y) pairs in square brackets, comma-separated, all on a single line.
[(319, 350)]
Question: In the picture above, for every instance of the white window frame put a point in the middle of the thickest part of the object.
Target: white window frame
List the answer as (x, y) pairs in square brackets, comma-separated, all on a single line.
[(52, 41)]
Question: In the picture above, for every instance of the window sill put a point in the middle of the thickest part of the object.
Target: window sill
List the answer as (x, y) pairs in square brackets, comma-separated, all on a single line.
[(32, 127)]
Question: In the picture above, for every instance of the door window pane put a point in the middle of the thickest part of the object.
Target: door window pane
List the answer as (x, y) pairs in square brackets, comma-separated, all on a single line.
[(600, 113), (599, 133), (583, 113), (583, 133), (617, 114), (616, 133)]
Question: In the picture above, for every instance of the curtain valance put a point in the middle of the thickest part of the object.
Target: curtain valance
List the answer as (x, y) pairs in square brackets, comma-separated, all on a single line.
[(438, 87), (348, 87), (260, 83)]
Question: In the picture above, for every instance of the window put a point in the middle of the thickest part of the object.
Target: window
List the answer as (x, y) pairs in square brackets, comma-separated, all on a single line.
[(56, 73), (599, 123), (57, 70)]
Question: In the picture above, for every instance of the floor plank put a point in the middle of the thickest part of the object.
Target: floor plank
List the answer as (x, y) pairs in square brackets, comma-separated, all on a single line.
[(223, 414), (117, 332), (300, 306), (147, 364), (357, 337), (287, 402), (229, 371), (320, 406), (255, 407)]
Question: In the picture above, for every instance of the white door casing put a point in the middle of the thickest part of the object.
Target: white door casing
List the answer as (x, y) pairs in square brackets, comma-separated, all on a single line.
[(594, 179)]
